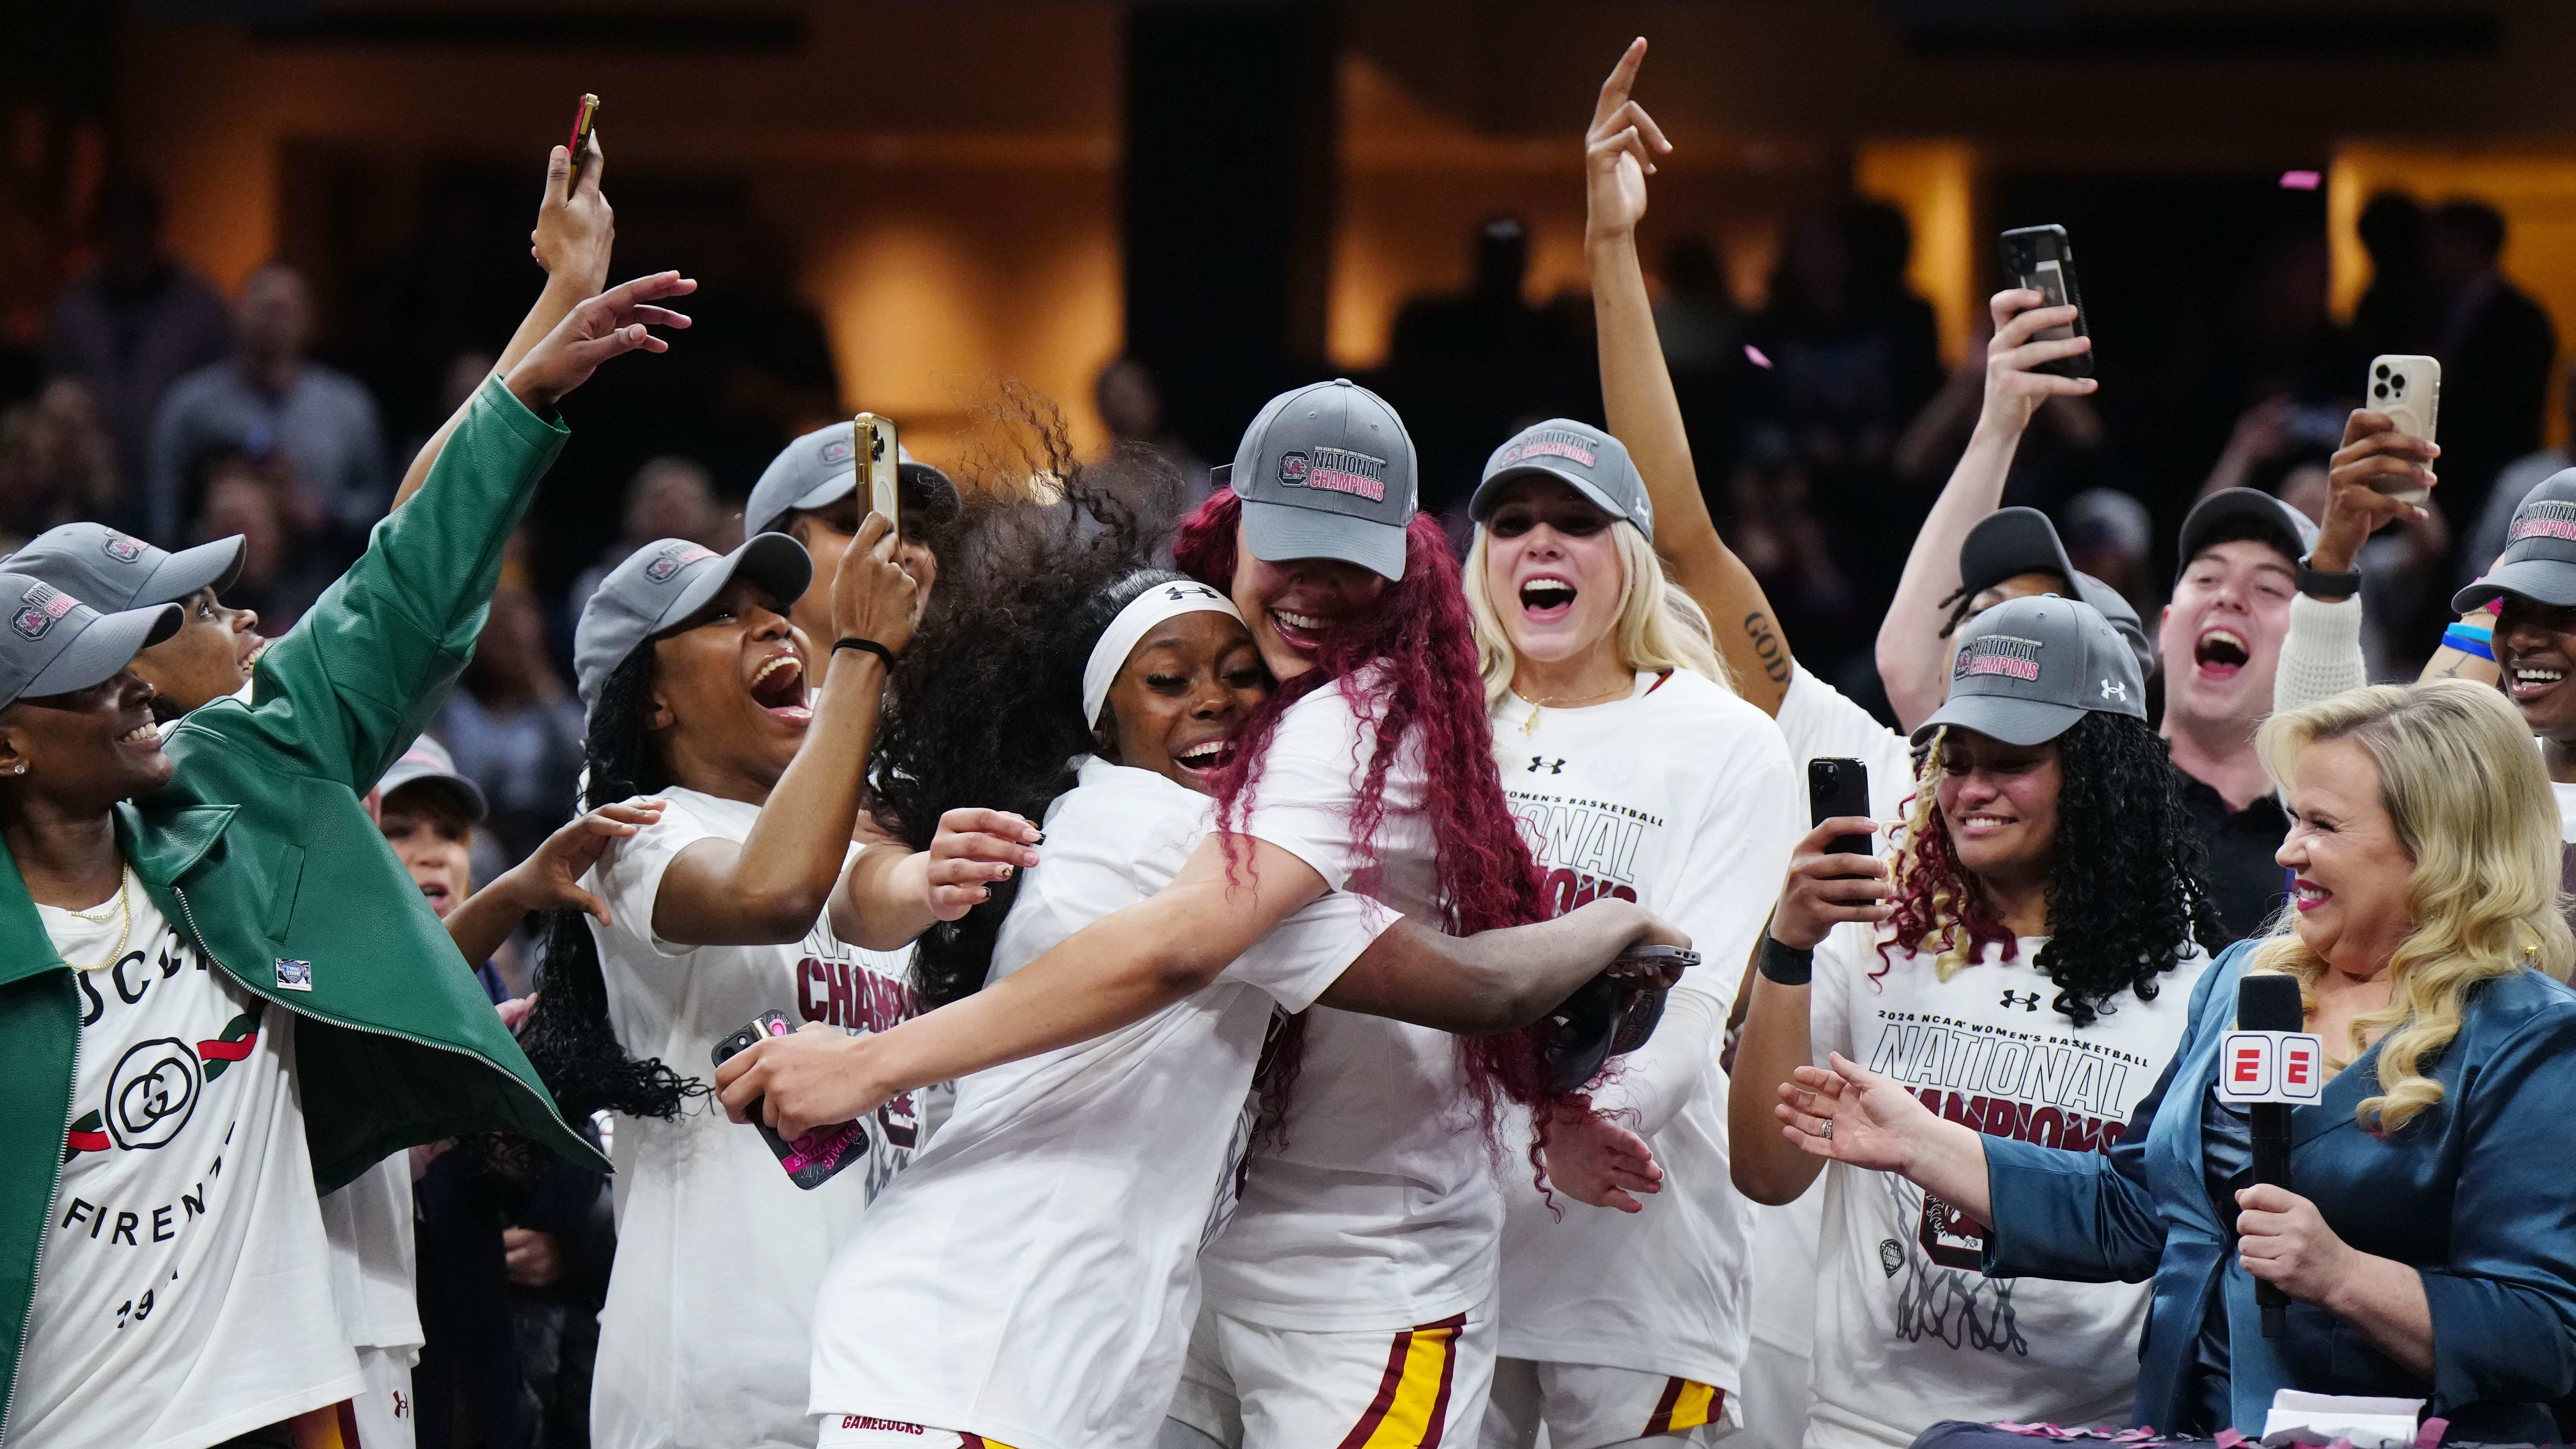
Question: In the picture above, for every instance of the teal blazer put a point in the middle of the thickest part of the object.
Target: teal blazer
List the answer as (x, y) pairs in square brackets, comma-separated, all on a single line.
[(2478, 1194)]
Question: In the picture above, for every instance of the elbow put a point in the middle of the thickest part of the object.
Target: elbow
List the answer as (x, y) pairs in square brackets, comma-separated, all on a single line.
[(781, 915)]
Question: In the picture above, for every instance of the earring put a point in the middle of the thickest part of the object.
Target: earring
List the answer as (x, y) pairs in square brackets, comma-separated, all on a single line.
[(18, 769)]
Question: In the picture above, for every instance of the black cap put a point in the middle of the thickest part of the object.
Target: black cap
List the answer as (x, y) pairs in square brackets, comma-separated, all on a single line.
[(2245, 512), (2010, 542)]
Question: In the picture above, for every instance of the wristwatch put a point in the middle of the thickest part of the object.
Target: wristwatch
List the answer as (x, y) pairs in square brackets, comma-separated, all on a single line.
[(2333, 588)]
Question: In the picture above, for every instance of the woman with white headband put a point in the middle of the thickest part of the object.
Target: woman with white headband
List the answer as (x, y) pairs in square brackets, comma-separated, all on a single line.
[(1031, 1278)]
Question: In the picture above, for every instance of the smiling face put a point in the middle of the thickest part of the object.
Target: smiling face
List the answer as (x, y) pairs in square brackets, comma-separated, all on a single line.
[(2535, 647), (2221, 635), (209, 658), (88, 749), (2350, 871), (1185, 687), (1552, 570), (729, 701), (433, 841), (1291, 604), (1999, 803)]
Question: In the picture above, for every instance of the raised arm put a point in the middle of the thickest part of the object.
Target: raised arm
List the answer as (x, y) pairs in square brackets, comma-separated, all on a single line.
[(892, 893), (1637, 393), (1912, 661), (575, 233)]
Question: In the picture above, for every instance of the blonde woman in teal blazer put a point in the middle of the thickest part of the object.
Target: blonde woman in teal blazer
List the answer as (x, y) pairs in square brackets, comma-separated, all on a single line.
[(2427, 1240)]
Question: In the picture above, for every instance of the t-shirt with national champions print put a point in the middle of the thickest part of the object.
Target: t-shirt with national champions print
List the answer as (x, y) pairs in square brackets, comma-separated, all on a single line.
[(184, 1295), (706, 1337), (1908, 1331)]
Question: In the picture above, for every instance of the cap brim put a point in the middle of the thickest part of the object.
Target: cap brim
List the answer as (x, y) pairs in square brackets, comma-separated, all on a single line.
[(2541, 580), (466, 792), (1488, 491), (774, 561), (208, 565), (106, 646), (1278, 532), (2013, 721)]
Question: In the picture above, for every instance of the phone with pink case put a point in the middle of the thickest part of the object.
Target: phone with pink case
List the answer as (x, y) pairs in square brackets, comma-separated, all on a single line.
[(810, 1160)]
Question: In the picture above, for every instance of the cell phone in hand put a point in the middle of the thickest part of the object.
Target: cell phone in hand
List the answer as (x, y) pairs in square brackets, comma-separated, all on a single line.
[(2407, 387), (1837, 787), (880, 461), (585, 119), (2038, 257), (810, 1160)]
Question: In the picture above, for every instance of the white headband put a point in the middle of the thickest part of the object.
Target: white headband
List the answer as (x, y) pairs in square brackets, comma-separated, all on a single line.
[(1162, 601)]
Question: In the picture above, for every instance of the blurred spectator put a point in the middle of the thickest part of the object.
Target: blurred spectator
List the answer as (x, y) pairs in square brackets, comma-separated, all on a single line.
[(255, 496), (1773, 528), (2484, 536), (57, 462), (2109, 534), (135, 325), (667, 498), (515, 731), (318, 417), (2496, 347), (2398, 314), (1701, 327), (1131, 407), (2286, 344)]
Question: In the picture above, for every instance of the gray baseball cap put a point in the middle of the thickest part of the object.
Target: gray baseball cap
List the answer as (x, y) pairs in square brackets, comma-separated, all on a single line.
[(55, 644), (661, 585), (1326, 471), (427, 763), (820, 468), (2539, 558), (2028, 669), (2245, 513), (110, 570), (1580, 455)]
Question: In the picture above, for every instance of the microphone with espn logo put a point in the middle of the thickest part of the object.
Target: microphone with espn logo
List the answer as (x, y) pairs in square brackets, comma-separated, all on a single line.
[(2271, 1065)]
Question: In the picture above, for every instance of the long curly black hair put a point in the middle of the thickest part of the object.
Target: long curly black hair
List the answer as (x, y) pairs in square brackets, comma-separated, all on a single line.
[(568, 1037), (2128, 894), (985, 706)]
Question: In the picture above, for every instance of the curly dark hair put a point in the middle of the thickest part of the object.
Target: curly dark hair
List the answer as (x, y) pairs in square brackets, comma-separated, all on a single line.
[(2129, 907), (568, 1037), (985, 706)]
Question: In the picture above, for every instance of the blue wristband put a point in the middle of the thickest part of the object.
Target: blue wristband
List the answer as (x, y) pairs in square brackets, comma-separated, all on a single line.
[(2469, 642)]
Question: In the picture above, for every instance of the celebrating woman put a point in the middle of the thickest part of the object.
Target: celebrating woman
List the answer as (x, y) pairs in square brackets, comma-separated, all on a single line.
[(2023, 966), (2424, 1241)]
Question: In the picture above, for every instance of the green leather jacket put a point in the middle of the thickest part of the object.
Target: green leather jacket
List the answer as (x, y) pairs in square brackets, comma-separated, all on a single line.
[(260, 850)]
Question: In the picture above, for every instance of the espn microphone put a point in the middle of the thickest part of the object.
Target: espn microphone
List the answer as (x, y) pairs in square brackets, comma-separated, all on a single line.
[(2270, 1003)]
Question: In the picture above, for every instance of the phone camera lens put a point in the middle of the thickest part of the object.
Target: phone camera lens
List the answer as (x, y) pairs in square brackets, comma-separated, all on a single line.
[(2397, 384), (2380, 391), (2381, 372)]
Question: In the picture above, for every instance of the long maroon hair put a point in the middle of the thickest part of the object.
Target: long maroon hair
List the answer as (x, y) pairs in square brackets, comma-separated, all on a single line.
[(1408, 667)]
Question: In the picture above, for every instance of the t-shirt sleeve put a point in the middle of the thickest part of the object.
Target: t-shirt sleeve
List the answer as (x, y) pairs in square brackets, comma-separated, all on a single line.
[(1295, 960), (1820, 722), (629, 876), (1848, 951), (1309, 783)]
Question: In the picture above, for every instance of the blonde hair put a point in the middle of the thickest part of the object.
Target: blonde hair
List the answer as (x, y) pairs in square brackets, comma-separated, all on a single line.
[(2464, 789), (1658, 628)]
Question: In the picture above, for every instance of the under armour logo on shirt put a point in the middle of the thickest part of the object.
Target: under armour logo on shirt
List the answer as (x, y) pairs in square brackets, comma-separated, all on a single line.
[(2026, 1000), (1554, 767)]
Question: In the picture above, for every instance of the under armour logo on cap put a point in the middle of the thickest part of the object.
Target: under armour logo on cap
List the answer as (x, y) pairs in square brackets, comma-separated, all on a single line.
[(1998, 654), (2114, 689), (675, 557), (2543, 518)]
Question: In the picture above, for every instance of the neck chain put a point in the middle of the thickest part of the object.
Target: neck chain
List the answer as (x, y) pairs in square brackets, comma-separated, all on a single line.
[(1529, 726), (124, 909)]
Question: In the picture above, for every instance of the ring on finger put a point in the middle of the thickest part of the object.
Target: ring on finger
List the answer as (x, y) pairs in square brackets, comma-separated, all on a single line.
[(1826, 1131)]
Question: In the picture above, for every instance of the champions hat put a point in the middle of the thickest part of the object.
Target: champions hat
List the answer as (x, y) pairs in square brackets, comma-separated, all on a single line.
[(1589, 460), (2539, 558), (661, 584), (2010, 542), (1326, 471), (109, 570), (2232, 513), (2028, 669), (427, 763), (54, 643), (821, 468)]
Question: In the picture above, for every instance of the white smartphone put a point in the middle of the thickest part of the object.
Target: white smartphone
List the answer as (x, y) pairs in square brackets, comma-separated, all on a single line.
[(2408, 388)]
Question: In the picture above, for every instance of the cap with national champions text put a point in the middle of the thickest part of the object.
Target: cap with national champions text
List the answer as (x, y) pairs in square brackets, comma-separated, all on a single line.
[(2029, 668), (821, 468), (1327, 471), (55, 644), (1579, 455), (662, 584), (2539, 558), (111, 571)]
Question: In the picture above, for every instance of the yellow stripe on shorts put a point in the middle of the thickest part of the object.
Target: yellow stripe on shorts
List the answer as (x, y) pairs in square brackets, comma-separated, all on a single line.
[(1411, 1407), (1686, 1404)]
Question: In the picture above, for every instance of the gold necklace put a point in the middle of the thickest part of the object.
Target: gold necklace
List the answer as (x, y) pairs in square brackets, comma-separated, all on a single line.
[(1529, 727), (122, 932)]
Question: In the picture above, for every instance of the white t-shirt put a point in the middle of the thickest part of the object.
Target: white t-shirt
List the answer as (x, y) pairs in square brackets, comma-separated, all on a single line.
[(185, 1291), (1820, 722), (1378, 1211), (706, 1337), (1679, 797), (2566, 811), (368, 1222), (1030, 1277), (1908, 1331)]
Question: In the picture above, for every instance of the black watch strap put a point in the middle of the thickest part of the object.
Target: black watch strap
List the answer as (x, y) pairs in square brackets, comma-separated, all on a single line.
[(2334, 587)]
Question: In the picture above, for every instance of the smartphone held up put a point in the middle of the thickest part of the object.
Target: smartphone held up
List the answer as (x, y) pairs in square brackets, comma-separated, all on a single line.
[(2408, 388), (585, 119), (2040, 259), (879, 455)]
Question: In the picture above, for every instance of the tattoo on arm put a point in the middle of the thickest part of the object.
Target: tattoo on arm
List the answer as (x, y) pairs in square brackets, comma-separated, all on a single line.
[(1766, 647)]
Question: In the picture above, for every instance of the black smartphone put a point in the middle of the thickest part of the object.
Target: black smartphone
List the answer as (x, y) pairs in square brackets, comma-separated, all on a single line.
[(2038, 257), (810, 1160), (1837, 787)]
